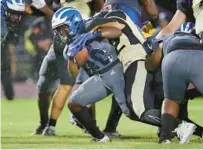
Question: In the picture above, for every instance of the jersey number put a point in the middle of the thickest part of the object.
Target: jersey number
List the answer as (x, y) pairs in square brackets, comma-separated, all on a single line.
[(101, 56)]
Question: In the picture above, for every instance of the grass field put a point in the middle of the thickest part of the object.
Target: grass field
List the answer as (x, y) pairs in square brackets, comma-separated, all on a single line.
[(20, 117)]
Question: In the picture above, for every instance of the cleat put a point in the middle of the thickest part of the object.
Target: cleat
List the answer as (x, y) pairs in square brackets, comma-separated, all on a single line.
[(75, 122), (158, 132), (105, 139), (113, 134), (185, 131), (167, 141), (39, 130), (49, 131)]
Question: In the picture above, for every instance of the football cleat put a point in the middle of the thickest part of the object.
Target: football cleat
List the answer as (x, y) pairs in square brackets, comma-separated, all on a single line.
[(167, 141), (39, 130), (113, 134), (49, 131), (185, 131), (105, 139)]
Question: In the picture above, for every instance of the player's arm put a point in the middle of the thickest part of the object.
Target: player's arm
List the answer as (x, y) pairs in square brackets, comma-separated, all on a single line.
[(150, 8), (178, 19), (41, 5), (183, 10), (4, 28), (98, 5), (153, 61), (47, 11), (110, 33), (154, 50), (100, 23), (12, 58), (72, 68)]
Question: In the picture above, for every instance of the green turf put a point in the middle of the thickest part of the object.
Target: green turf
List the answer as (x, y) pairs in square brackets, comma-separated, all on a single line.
[(20, 117)]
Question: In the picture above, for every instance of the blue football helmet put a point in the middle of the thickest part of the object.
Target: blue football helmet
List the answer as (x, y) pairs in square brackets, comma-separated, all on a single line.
[(187, 27), (70, 17)]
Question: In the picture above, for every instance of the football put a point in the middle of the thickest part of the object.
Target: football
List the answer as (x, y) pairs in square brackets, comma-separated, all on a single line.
[(81, 57)]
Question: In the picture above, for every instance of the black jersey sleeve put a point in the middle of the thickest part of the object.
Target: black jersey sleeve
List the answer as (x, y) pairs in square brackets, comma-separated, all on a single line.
[(185, 6)]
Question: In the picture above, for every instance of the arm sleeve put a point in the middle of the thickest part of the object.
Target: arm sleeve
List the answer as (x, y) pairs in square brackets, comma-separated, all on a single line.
[(96, 22)]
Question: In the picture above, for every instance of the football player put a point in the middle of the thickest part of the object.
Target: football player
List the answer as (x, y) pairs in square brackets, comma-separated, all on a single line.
[(177, 73), (11, 14), (102, 63), (49, 81), (187, 10)]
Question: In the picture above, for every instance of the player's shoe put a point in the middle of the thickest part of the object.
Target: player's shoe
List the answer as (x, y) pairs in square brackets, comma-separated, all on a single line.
[(49, 131), (113, 134), (158, 132), (185, 131), (39, 130), (201, 139), (74, 121), (167, 141), (105, 139)]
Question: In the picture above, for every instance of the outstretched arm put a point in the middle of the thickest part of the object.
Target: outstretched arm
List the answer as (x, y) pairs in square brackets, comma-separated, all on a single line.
[(150, 8), (178, 19), (110, 33), (153, 61)]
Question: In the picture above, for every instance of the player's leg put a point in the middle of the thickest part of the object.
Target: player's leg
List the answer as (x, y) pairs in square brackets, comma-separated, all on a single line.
[(7, 83), (196, 76), (46, 88), (174, 84), (113, 119), (140, 96), (47, 84), (114, 81), (60, 96), (84, 96), (82, 77)]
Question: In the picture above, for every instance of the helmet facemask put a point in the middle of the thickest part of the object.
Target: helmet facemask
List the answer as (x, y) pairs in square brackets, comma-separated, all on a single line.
[(13, 19), (63, 33)]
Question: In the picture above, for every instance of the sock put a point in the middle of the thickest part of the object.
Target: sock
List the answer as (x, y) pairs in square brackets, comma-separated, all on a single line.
[(198, 130), (192, 93), (86, 120), (90, 111), (168, 124), (52, 122), (43, 105), (114, 117), (152, 117)]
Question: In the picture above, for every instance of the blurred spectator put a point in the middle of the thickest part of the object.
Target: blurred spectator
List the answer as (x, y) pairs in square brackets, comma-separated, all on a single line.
[(162, 22), (38, 39), (8, 64), (86, 7)]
